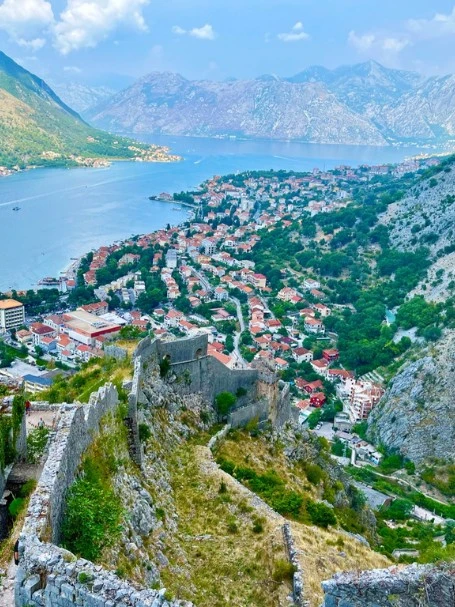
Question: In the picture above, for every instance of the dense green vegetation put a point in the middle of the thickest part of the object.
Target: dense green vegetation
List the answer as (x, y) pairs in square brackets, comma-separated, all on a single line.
[(36, 443), (93, 512), (273, 490), (390, 487)]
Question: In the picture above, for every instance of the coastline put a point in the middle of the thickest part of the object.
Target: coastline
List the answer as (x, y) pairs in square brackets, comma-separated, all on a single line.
[(104, 206)]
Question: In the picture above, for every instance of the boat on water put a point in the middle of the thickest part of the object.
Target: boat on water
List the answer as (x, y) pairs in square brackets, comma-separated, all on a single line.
[(49, 281), (16, 208)]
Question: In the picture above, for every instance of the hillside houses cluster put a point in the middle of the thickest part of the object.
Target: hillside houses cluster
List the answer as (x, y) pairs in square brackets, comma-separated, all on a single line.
[(207, 260)]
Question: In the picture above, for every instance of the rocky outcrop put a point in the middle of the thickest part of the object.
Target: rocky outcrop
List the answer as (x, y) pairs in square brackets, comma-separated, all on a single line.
[(416, 416), (426, 215)]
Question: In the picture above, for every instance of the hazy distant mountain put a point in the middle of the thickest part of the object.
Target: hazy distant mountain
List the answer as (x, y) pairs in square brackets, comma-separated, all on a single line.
[(80, 96), (363, 84), (266, 107), (365, 103), (37, 127)]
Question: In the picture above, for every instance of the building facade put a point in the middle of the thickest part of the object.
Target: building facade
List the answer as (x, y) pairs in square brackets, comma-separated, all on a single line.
[(12, 314)]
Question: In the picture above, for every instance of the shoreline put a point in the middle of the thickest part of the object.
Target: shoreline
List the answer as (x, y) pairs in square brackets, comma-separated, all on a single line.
[(98, 163), (69, 267)]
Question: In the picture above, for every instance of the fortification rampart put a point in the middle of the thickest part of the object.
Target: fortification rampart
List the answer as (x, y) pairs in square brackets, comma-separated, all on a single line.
[(198, 372), (49, 575), (413, 586)]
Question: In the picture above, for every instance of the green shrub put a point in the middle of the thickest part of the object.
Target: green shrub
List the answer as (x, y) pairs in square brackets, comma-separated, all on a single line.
[(232, 526), (160, 514), (204, 417), (93, 513), (84, 578), (258, 525), (320, 514), (144, 432), (16, 507), (224, 402), (165, 367), (252, 427), (410, 467), (391, 463), (27, 488), (283, 571), (36, 443), (314, 473)]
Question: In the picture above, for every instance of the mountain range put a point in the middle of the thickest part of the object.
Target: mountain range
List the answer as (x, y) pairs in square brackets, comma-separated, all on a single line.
[(38, 128), (361, 104), (80, 96)]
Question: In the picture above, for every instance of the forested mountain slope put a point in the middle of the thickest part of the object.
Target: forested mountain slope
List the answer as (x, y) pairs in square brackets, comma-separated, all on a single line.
[(36, 127)]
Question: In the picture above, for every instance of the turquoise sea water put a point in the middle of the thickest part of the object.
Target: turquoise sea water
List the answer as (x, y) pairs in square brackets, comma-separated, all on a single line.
[(66, 212)]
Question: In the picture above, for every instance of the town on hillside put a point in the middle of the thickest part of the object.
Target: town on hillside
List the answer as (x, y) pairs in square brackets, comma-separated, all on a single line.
[(258, 268)]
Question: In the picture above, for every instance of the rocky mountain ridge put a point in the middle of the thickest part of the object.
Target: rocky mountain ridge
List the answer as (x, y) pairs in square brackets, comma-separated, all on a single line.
[(360, 104), (275, 109), (81, 97), (416, 416)]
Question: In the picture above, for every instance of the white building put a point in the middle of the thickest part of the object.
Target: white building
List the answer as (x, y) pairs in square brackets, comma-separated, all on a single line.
[(171, 259), (12, 314)]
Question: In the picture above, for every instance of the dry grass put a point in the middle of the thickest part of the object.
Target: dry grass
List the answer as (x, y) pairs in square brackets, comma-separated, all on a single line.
[(221, 560), (321, 555), (322, 552), (129, 345), (262, 456)]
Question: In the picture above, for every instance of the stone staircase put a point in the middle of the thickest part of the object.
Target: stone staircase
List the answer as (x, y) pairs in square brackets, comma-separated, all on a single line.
[(133, 446)]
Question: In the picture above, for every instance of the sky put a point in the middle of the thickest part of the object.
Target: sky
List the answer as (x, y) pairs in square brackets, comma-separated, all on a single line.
[(113, 42)]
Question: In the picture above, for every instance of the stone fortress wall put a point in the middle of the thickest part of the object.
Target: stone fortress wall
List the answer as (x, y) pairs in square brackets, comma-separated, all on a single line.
[(412, 586), (49, 576), (265, 398)]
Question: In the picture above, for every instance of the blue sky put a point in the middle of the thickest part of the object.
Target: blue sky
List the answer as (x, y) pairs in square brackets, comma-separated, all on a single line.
[(116, 41)]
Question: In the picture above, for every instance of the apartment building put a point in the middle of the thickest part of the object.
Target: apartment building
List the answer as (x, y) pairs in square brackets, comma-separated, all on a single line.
[(12, 314)]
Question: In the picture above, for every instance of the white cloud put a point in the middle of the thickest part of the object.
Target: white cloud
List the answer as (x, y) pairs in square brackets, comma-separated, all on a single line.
[(395, 45), (85, 23), (438, 26), (73, 69), (206, 32), (25, 20), (378, 44), (295, 34), (408, 33), (35, 44), (362, 42)]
